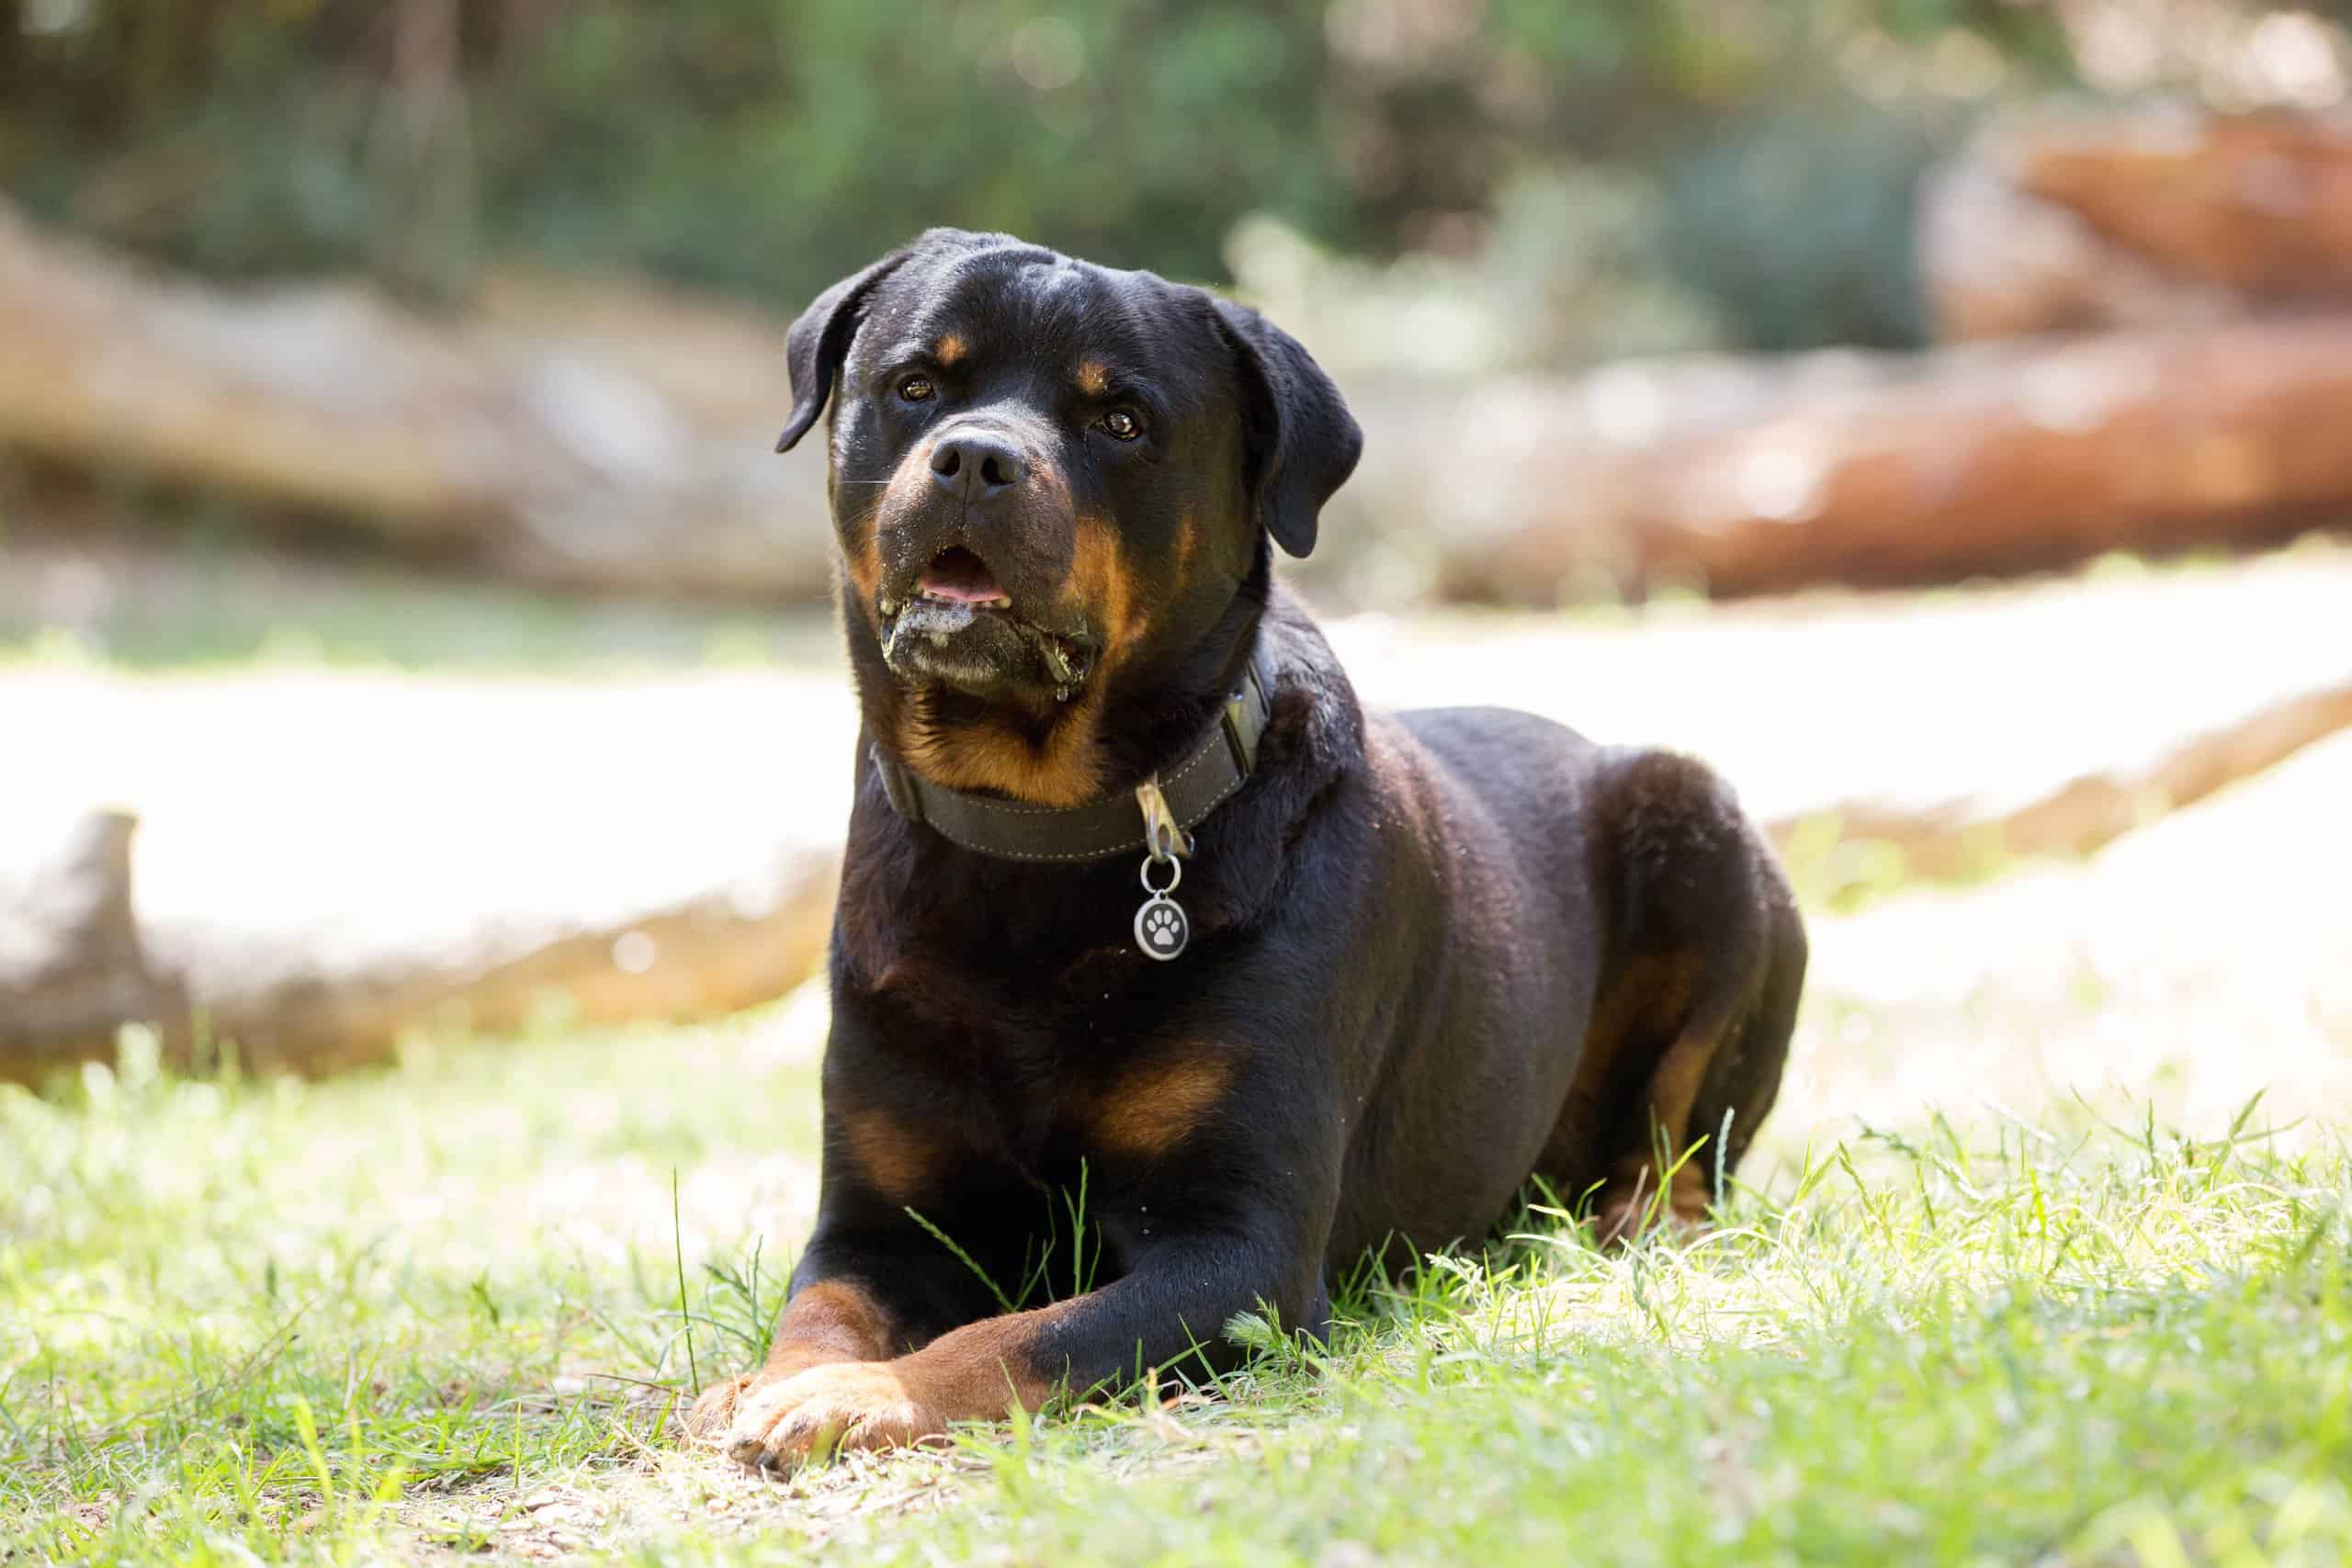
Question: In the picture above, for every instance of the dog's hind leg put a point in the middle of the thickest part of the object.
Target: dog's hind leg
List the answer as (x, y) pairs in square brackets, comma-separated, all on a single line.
[(1745, 1079), (1702, 965)]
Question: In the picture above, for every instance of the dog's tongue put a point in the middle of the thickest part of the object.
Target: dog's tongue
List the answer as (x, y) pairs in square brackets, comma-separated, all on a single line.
[(959, 577)]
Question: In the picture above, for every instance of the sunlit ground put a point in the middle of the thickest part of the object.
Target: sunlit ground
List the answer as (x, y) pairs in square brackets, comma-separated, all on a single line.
[(434, 1310), (2023, 1269)]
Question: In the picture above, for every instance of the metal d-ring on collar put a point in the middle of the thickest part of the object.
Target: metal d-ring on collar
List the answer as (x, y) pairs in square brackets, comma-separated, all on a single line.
[(1162, 929)]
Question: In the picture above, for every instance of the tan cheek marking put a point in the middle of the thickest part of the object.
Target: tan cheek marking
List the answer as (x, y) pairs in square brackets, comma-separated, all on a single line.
[(832, 1320), (898, 1160), (1094, 378), (950, 348), (1152, 1108), (1107, 591), (864, 563), (904, 492), (1065, 767)]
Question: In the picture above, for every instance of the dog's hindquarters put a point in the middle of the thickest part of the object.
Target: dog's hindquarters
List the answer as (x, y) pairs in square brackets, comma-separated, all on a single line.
[(1703, 961), (1745, 1077)]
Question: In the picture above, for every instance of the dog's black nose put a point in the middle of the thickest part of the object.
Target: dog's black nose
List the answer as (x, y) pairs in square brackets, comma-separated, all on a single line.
[(977, 467)]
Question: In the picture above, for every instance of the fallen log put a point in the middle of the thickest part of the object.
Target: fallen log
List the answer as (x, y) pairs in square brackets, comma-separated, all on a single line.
[(73, 969), (355, 858), (304, 1006), (1910, 470), (534, 456), (394, 854), (2147, 217), (2199, 962), (1947, 736), (1964, 836), (612, 439)]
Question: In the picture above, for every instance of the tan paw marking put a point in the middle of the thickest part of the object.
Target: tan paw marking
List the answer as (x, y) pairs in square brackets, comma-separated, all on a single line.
[(850, 1404), (713, 1411)]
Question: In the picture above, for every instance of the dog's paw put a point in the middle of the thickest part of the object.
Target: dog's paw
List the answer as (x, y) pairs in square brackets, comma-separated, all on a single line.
[(1625, 1214), (849, 1404), (713, 1411)]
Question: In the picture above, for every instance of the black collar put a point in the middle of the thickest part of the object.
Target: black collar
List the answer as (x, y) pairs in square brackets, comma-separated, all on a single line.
[(1193, 788)]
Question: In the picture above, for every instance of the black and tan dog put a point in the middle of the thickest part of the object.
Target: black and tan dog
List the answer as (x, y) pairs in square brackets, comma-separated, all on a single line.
[(1413, 962)]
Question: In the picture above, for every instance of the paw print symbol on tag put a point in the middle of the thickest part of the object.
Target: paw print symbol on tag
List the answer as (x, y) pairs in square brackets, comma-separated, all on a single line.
[(1161, 929)]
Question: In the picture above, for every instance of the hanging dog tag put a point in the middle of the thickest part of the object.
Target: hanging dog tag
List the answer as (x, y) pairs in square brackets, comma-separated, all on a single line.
[(1161, 926)]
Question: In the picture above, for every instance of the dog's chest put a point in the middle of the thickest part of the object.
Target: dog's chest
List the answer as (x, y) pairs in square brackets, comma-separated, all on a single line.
[(1077, 1064)]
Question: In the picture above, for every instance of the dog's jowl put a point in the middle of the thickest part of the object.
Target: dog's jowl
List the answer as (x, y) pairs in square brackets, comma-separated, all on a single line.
[(1139, 903)]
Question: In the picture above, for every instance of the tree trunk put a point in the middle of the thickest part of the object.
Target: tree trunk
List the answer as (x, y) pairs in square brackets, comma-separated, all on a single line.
[(539, 458), (76, 966), (615, 439), (2137, 218), (73, 970), (1959, 463)]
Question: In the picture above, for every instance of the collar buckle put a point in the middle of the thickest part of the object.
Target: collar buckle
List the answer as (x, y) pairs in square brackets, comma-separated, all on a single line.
[(898, 783), (1243, 719)]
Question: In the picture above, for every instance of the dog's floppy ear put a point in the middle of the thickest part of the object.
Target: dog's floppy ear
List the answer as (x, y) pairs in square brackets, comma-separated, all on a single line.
[(818, 342), (1303, 443)]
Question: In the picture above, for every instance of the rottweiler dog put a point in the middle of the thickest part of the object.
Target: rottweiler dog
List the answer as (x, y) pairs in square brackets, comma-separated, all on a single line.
[(1163, 972)]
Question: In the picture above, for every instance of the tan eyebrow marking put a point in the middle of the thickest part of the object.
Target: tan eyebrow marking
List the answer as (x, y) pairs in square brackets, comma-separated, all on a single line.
[(950, 348), (1093, 378)]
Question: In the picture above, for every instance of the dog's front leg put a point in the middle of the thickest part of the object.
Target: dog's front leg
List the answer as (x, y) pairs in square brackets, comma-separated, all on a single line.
[(826, 1322), (1174, 1302)]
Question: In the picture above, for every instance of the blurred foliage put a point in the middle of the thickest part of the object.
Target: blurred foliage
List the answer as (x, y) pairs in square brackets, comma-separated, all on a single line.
[(765, 148), (1568, 270), (1800, 226)]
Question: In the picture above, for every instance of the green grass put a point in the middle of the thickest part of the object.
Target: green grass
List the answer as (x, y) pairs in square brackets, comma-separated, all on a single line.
[(433, 1311)]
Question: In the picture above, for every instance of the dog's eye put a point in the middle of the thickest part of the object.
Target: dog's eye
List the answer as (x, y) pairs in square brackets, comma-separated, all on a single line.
[(1122, 423), (917, 389)]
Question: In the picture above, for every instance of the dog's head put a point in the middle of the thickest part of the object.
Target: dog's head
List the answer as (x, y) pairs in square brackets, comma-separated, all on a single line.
[(1048, 476)]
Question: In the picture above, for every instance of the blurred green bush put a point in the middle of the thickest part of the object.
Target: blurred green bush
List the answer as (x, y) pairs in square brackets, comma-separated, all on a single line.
[(765, 148)]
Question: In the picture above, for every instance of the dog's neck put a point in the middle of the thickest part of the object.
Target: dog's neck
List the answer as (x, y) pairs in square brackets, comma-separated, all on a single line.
[(1132, 718)]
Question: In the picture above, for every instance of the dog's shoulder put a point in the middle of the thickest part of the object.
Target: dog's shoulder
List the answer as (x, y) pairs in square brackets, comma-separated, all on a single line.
[(1317, 730)]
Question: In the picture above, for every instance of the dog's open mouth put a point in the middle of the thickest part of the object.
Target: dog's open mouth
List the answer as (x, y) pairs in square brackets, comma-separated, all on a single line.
[(956, 575), (956, 592)]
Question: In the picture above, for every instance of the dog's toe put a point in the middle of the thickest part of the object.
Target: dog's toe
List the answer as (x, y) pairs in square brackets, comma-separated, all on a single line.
[(713, 1412), (860, 1404)]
